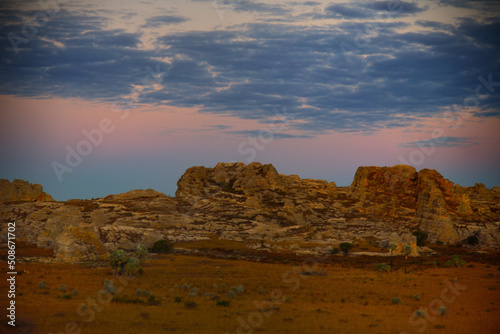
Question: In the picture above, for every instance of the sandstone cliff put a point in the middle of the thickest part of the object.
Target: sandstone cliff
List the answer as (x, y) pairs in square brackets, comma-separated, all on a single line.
[(19, 190), (253, 203)]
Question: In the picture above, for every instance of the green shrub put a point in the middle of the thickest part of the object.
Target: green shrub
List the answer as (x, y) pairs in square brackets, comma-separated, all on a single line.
[(238, 289), (383, 267), (334, 251), (75, 292), (472, 240), (67, 296), (109, 287), (163, 247), (42, 285), (142, 293), (260, 290), (215, 286), (419, 313), (186, 286), (152, 300), (396, 300), (194, 292), (62, 287), (224, 303), (455, 261), (415, 297), (345, 247), (190, 304), (178, 299), (442, 310), (141, 252), (421, 237), (230, 294), (118, 259), (132, 266)]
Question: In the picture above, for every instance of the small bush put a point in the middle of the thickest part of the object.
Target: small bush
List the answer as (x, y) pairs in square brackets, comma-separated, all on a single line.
[(421, 237), (383, 267), (190, 304), (141, 252), (345, 247), (67, 296), (419, 313), (109, 287), (238, 289), (396, 300), (42, 285), (117, 260), (442, 310), (215, 286), (186, 286), (260, 290), (133, 266), (224, 303), (142, 293), (163, 247), (472, 240), (415, 297), (62, 287), (334, 251), (455, 261), (153, 301), (75, 292), (230, 294), (178, 299)]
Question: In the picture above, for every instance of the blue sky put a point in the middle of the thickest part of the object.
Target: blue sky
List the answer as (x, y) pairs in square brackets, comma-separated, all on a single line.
[(332, 84)]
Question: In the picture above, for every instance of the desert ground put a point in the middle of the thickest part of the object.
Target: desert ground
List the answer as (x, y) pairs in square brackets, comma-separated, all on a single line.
[(271, 293)]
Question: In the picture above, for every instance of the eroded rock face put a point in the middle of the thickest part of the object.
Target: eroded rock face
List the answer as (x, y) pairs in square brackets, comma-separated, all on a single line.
[(19, 190), (254, 203), (79, 243)]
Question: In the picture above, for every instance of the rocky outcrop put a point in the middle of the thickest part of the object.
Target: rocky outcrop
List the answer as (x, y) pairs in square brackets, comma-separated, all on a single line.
[(79, 243), (19, 190), (254, 203)]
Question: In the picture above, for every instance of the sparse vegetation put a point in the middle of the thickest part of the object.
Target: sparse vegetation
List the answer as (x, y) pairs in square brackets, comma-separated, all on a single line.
[(42, 285), (190, 304), (383, 267), (396, 300), (455, 261), (109, 287), (178, 299), (162, 247), (346, 247), (141, 252), (62, 287), (442, 310), (419, 313), (142, 293), (416, 297), (334, 251), (224, 303)]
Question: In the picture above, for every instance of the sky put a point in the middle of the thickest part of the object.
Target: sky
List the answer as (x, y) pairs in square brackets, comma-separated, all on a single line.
[(102, 97)]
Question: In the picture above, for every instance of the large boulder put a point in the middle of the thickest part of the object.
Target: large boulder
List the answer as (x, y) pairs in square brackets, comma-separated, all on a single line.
[(79, 243)]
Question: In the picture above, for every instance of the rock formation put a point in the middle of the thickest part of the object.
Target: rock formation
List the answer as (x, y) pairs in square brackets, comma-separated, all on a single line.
[(254, 203), (19, 190)]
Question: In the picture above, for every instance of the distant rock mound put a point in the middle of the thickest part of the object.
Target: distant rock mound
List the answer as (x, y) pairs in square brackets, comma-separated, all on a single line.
[(19, 190)]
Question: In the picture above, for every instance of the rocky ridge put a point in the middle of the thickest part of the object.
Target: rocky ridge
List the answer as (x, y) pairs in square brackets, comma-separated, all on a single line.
[(254, 203)]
